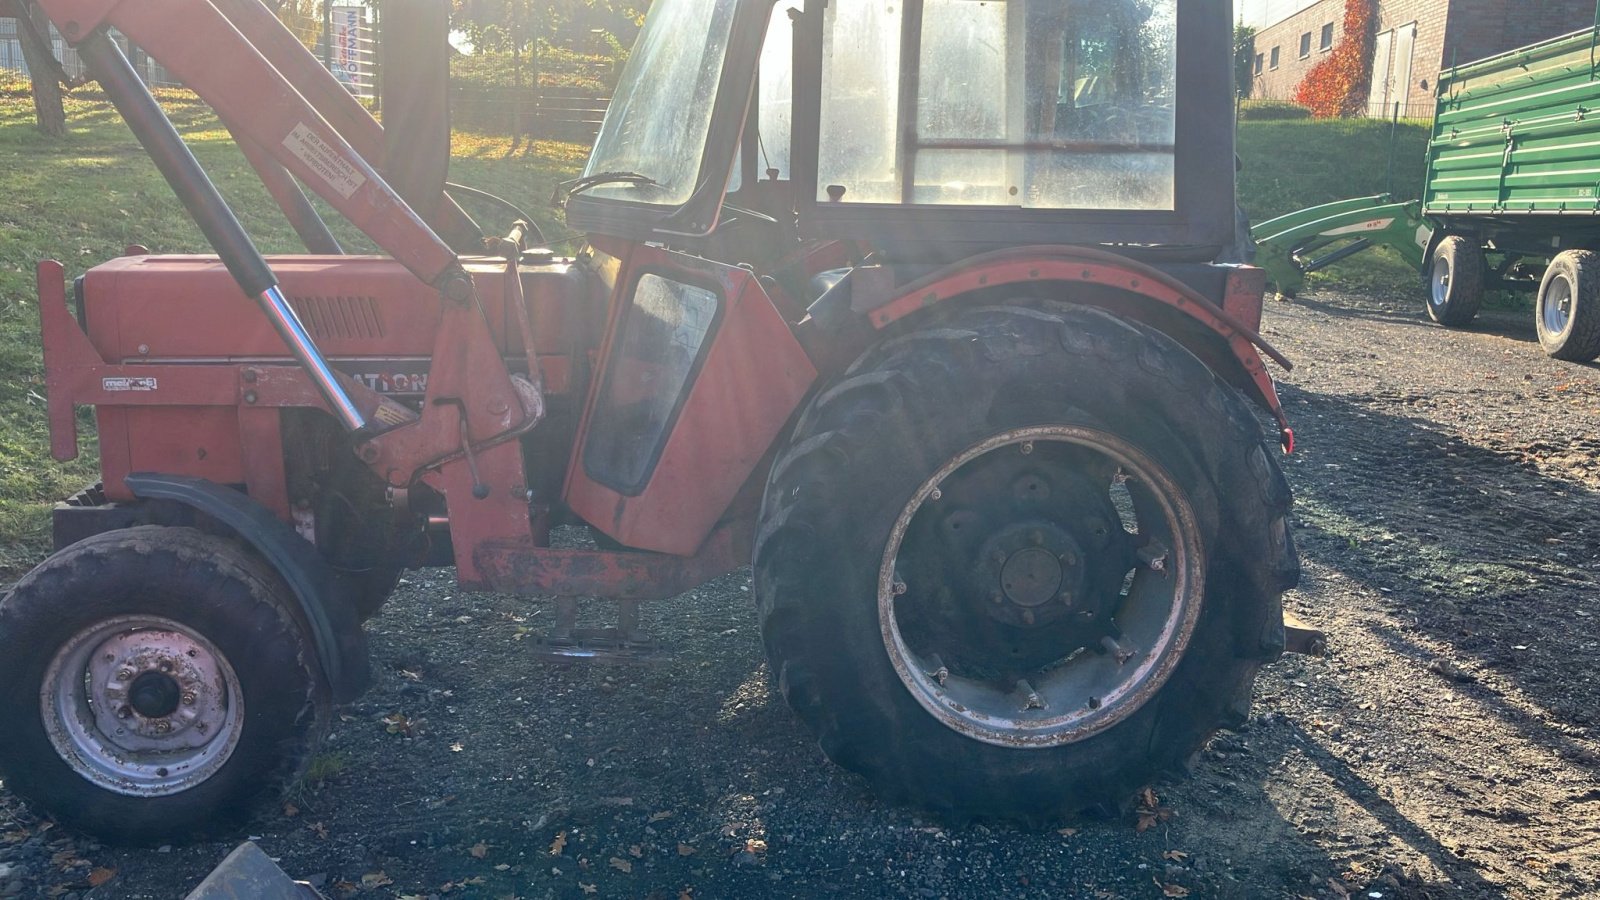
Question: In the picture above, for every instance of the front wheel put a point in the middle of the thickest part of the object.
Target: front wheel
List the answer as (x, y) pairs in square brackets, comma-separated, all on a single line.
[(154, 681), (1568, 321), (1455, 281), (1019, 564)]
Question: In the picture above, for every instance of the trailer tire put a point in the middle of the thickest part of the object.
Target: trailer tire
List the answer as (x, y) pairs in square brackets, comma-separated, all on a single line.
[(1567, 315), (155, 682), (1455, 281), (1032, 381)]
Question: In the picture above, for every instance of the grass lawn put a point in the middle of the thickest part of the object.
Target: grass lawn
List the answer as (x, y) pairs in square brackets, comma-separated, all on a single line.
[(84, 198)]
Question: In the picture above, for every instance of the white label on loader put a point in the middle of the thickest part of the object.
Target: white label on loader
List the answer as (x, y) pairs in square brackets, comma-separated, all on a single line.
[(1370, 225), (142, 383), (324, 160)]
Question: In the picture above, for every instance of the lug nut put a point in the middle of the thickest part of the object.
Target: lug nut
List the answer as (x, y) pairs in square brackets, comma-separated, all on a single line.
[(124, 712), (1027, 447), (899, 588), (188, 698), (124, 674), (936, 494)]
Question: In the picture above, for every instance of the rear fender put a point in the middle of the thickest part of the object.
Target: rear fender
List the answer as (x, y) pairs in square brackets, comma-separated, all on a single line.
[(1146, 294)]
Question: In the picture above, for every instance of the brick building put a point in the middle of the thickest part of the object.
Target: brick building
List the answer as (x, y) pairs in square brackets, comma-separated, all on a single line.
[(1416, 40)]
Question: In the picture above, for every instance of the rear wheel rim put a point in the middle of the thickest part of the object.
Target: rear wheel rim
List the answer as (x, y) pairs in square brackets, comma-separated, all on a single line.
[(1107, 651), (1555, 310), (1440, 281), (142, 706)]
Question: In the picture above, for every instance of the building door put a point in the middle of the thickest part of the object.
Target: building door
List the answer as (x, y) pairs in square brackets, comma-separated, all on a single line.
[(1391, 71), (1405, 41), (1378, 94)]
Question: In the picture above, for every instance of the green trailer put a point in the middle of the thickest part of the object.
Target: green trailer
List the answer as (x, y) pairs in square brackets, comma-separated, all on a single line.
[(1511, 199)]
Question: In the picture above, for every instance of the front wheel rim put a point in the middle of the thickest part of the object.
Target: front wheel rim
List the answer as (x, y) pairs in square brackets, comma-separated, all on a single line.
[(1109, 665), (1440, 281), (1555, 308), (142, 706)]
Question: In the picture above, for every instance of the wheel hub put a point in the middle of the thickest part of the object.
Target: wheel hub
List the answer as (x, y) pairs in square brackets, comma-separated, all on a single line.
[(1032, 572)]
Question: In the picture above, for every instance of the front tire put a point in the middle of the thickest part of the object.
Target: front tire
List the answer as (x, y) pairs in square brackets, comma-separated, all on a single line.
[(1568, 309), (1455, 281), (1017, 565), (155, 683)]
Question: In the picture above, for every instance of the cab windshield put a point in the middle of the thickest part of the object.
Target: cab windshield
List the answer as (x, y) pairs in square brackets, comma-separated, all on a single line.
[(659, 122)]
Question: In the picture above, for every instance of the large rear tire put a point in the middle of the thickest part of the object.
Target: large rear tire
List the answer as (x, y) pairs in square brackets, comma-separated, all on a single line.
[(1455, 281), (1568, 309), (1017, 565), (155, 682)]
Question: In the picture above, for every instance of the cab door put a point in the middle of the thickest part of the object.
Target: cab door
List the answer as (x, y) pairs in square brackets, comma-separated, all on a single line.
[(699, 375)]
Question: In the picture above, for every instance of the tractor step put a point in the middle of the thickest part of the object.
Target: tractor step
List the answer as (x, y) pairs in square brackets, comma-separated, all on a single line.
[(620, 644)]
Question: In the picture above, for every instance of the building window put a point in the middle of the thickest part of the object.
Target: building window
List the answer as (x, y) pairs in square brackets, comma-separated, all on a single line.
[(1327, 36), (1260, 62), (1305, 45), (1274, 58)]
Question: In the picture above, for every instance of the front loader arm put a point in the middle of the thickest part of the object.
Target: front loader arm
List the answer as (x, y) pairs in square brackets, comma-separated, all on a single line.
[(1293, 245), (199, 45)]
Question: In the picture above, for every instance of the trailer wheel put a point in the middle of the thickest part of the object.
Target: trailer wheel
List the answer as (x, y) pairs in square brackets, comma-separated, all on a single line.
[(1019, 564), (154, 682), (1455, 281), (1568, 320)]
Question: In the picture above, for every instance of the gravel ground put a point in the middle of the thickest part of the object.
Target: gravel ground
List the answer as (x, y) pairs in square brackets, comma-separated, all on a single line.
[(1448, 491)]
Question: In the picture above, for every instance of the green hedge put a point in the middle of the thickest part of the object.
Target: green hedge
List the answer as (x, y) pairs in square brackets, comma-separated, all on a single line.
[(1271, 111)]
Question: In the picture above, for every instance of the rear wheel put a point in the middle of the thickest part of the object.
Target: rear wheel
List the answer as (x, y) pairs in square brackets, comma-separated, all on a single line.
[(1017, 565), (1568, 321), (155, 681), (1455, 281)]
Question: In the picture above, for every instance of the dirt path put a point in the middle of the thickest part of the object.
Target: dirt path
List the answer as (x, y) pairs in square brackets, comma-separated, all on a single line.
[(1448, 490)]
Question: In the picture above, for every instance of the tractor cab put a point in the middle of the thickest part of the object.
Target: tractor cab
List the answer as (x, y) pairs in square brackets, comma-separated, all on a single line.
[(928, 130)]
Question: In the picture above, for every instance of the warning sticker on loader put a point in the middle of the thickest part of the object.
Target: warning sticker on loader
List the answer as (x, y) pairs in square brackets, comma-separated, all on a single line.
[(323, 159), (141, 383)]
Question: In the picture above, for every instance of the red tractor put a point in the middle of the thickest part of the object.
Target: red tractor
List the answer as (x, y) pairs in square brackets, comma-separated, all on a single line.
[(934, 312)]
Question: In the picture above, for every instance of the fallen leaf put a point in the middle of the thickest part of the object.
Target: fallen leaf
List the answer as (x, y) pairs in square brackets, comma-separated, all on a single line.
[(620, 864), (660, 816), (686, 894), (588, 888), (101, 876), (636, 851), (502, 867), (374, 880), (320, 829), (456, 747), (686, 850), (1173, 890), (1146, 822), (1175, 856), (1147, 799), (290, 810), (755, 845), (1066, 832), (412, 897), (559, 844), (474, 880), (479, 850)]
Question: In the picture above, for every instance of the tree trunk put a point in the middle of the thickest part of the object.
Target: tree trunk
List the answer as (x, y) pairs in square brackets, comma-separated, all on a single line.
[(48, 111)]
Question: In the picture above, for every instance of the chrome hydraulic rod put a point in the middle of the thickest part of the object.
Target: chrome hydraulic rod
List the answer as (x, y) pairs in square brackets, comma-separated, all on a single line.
[(209, 211)]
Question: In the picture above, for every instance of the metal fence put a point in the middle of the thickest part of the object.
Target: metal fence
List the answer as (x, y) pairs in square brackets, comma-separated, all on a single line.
[(569, 114), (348, 47)]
